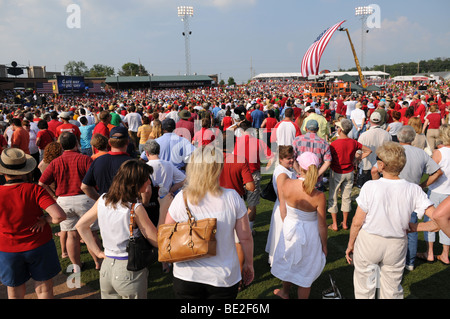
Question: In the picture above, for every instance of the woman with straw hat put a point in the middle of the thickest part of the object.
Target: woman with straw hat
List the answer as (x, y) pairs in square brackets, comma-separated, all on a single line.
[(27, 249)]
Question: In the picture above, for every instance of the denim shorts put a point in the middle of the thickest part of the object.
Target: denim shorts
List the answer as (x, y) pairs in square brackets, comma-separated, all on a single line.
[(41, 264)]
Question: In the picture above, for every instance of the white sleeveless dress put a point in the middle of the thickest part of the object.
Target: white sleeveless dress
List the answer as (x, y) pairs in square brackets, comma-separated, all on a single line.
[(276, 223), (299, 258)]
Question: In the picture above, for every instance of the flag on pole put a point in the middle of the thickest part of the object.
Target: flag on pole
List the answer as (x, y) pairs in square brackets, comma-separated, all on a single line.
[(311, 60)]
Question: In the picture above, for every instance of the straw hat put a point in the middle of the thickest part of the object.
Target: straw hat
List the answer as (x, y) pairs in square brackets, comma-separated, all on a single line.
[(14, 161)]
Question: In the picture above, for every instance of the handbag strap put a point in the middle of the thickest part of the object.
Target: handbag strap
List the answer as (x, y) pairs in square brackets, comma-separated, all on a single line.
[(188, 211), (132, 214)]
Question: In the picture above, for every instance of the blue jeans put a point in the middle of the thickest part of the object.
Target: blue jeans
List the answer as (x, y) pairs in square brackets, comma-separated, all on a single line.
[(412, 243)]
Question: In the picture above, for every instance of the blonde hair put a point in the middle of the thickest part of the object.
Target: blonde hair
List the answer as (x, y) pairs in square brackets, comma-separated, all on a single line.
[(202, 173), (156, 129), (416, 123), (444, 134), (393, 156), (311, 176)]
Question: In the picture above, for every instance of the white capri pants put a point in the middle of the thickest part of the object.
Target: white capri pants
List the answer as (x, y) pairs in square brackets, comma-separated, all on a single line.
[(379, 263)]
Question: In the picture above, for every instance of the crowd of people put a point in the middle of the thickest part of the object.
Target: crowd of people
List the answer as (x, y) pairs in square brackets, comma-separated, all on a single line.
[(89, 161)]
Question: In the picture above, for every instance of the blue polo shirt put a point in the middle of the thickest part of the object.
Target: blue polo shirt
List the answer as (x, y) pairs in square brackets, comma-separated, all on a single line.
[(174, 148)]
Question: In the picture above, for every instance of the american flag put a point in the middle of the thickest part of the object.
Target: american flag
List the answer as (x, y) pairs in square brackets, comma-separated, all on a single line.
[(311, 60), (44, 88), (95, 88)]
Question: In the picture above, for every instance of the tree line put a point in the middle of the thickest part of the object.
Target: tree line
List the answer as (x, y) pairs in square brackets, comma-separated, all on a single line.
[(411, 68), (79, 68)]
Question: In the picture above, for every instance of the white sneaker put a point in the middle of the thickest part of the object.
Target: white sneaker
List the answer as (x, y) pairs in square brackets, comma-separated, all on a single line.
[(409, 267)]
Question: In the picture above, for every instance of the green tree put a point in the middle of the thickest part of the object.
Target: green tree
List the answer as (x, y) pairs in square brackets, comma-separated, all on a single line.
[(132, 69), (231, 81), (76, 68), (100, 70)]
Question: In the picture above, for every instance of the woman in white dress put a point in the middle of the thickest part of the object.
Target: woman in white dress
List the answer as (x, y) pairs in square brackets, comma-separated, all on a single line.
[(300, 255), (286, 160)]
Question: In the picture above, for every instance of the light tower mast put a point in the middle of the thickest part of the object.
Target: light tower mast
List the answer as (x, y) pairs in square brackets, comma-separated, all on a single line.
[(185, 13), (363, 13)]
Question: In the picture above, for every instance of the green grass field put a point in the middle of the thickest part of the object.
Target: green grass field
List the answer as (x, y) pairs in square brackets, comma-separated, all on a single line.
[(427, 281)]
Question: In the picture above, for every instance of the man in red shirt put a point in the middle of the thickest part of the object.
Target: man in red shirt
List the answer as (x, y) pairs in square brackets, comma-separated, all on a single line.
[(67, 172), (235, 175), (251, 148), (66, 126), (102, 126), (236, 172), (185, 127), (20, 137), (343, 153), (54, 122), (421, 110)]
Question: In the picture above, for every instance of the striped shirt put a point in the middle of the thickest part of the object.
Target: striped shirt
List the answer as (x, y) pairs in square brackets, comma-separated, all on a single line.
[(311, 142)]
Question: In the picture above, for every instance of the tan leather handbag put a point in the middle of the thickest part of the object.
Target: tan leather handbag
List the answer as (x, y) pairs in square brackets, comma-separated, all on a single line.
[(187, 240)]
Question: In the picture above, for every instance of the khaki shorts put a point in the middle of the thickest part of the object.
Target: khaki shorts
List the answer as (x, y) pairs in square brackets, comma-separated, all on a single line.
[(75, 207), (253, 197)]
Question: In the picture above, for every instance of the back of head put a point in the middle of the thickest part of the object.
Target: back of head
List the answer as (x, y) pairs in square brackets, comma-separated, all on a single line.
[(345, 125), (406, 134), (127, 183), (100, 142), (289, 112), (68, 140), (202, 173), (444, 134), (152, 147)]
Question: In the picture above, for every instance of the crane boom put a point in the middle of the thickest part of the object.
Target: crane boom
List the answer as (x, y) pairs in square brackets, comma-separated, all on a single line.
[(361, 76)]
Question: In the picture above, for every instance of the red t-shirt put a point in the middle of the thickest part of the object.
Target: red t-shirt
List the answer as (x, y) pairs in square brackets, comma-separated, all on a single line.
[(434, 119), (102, 129), (252, 149), (227, 122), (204, 136), (20, 207), (21, 139), (235, 173), (46, 137), (52, 125), (421, 112), (342, 154), (339, 106), (67, 172), (68, 127), (271, 122)]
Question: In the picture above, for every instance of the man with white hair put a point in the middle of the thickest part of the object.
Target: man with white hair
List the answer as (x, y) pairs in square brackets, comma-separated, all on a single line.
[(373, 138)]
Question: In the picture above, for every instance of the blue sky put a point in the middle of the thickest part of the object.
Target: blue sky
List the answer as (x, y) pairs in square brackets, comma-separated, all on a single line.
[(232, 38)]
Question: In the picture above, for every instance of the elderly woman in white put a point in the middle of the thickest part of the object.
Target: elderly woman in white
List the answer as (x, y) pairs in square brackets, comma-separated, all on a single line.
[(378, 235)]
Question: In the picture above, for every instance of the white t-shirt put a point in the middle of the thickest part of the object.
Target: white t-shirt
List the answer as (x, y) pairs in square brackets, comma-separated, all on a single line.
[(358, 116), (222, 270), (134, 120), (165, 174), (351, 105), (389, 204), (286, 133)]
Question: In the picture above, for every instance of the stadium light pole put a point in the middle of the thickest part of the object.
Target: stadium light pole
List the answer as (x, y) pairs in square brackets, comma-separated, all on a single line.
[(185, 13), (363, 13)]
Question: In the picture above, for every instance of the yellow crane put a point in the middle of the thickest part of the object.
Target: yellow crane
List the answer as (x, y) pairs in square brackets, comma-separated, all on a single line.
[(361, 76)]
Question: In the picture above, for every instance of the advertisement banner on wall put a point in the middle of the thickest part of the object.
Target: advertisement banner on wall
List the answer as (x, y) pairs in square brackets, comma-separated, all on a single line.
[(71, 84)]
